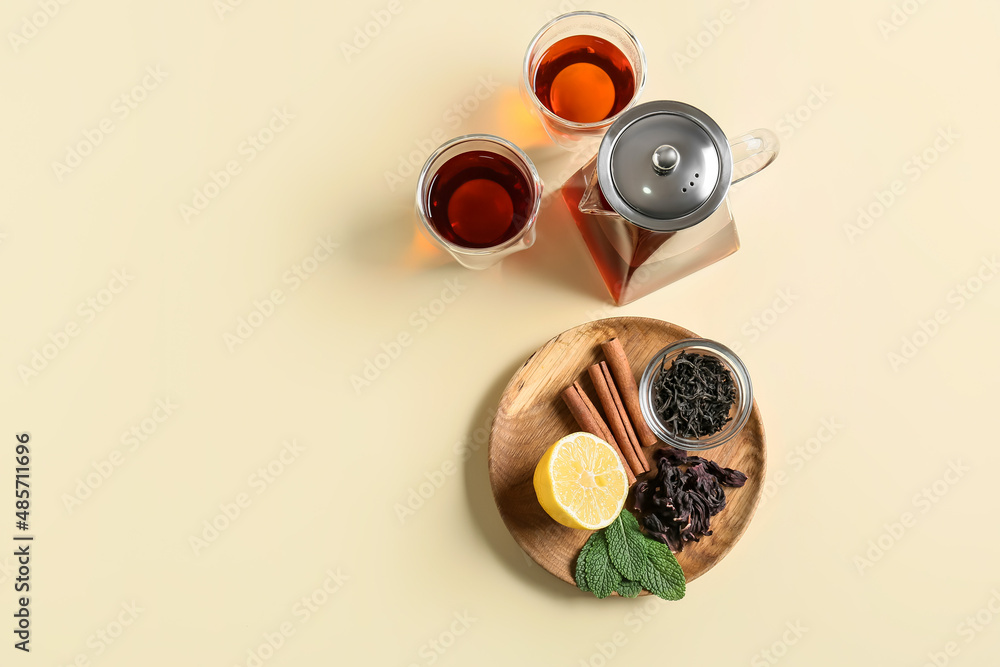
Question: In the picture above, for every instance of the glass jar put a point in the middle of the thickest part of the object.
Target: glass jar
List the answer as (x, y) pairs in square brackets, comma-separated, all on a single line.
[(739, 413)]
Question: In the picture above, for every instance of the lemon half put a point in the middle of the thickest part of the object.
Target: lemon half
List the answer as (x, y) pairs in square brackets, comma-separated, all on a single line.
[(580, 482)]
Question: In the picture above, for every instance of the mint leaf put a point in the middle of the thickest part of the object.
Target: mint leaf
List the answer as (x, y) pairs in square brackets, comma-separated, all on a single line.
[(602, 577), (625, 546), (581, 569), (663, 575), (629, 589)]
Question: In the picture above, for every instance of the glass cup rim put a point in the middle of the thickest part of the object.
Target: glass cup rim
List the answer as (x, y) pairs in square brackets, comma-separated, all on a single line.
[(569, 124), (743, 383), (536, 184)]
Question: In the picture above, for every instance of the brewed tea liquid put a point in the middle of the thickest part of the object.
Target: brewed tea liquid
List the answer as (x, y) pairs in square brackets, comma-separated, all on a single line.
[(479, 199), (584, 79), (635, 262)]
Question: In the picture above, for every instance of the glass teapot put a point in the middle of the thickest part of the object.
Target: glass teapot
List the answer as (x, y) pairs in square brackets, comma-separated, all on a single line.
[(652, 205)]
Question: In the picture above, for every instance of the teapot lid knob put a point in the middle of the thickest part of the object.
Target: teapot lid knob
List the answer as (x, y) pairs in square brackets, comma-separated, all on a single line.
[(665, 159)]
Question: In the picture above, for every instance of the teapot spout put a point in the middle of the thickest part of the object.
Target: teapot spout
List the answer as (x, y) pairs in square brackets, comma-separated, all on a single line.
[(593, 202)]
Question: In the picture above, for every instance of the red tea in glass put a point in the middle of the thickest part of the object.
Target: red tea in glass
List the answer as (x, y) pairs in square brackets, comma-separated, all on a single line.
[(584, 79), (479, 199)]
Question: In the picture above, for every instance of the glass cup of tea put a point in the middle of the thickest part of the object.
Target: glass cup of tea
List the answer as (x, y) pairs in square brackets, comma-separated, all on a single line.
[(477, 198), (581, 72)]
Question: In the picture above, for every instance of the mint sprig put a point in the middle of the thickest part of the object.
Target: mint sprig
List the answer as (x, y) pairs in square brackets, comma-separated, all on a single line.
[(663, 576), (621, 559), (602, 577), (625, 545), (629, 589), (581, 567)]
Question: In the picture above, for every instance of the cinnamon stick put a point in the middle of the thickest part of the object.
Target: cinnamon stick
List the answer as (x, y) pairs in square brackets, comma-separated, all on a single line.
[(633, 442), (622, 372), (605, 432), (614, 419), (589, 420)]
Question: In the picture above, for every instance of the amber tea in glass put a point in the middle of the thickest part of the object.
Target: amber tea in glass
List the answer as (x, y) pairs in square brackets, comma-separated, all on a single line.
[(584, 79), (581, 72)]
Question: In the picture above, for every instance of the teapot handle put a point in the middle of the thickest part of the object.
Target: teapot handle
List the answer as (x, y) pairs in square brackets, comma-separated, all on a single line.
[(752, 152)]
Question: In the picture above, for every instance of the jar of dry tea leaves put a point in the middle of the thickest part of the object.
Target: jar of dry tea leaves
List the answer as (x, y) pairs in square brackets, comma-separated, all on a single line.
[(696, 394)]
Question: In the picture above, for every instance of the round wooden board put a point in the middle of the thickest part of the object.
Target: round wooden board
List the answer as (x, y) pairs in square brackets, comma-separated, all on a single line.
[(531, 416)]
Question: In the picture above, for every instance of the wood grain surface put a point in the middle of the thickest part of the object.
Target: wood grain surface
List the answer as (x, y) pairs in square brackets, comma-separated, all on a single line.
[(531, 416)]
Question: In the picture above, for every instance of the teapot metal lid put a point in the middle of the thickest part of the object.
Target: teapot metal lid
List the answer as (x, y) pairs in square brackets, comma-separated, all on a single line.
[(665, 166)]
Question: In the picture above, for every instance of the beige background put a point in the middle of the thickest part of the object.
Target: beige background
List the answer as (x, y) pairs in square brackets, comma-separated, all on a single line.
[(335, 505)]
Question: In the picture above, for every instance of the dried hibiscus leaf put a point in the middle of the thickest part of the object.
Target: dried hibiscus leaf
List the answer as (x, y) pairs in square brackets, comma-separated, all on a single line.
[(677, 503)]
